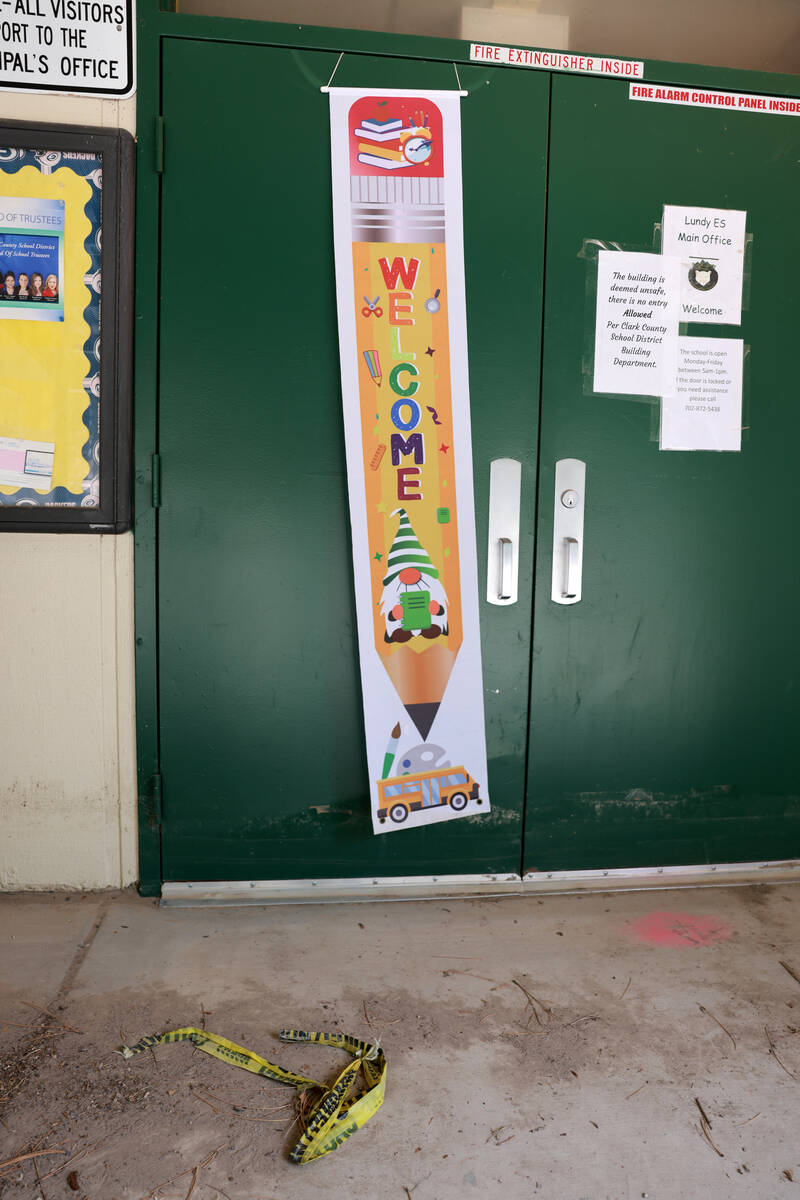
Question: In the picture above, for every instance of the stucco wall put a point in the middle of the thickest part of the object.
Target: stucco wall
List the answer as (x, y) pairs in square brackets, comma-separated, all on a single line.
[(67, 734)]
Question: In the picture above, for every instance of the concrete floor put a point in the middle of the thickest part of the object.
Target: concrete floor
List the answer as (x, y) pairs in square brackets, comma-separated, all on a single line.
[(647, 1006)]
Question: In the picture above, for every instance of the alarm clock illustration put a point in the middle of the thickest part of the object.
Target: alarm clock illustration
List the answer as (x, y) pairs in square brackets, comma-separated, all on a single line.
[(417, 149)]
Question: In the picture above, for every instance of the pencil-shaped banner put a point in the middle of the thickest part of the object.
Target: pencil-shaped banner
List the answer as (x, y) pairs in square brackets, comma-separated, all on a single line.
[(396, 163)]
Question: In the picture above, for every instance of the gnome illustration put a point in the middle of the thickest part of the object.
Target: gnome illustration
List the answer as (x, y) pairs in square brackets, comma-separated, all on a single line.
[(413, 602)]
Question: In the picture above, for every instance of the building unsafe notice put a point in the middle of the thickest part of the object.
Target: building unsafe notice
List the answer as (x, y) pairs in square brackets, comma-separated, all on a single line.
[(82, 46)]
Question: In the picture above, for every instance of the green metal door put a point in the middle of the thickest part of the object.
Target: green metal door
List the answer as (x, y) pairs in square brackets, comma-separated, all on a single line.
[(665, 704), (261, 742)]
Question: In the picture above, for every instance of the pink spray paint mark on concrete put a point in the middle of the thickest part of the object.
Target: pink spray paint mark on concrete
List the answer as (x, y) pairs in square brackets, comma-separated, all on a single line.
[(680, 930)]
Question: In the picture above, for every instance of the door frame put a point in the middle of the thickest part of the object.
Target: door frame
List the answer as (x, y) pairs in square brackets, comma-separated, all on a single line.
[(155, 25)]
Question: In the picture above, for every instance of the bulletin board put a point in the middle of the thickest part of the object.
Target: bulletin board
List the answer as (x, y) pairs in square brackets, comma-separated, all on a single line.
[(66, 222)]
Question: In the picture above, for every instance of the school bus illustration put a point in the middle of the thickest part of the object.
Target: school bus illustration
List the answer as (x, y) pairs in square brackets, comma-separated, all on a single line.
[(430, 789)]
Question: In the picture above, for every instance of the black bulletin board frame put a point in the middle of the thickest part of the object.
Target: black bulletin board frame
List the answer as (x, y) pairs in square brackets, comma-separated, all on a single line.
[(112, 511)]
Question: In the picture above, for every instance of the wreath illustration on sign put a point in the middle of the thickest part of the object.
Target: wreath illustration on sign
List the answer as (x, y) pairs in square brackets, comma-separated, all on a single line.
[(703, 276)]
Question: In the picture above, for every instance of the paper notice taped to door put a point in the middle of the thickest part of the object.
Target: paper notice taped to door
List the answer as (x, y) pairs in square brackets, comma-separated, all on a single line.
[(705, 411), (636, 324), (710, 245)]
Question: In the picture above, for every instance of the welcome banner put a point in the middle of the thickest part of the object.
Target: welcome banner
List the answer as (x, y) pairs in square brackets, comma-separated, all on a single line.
[(396, 165)]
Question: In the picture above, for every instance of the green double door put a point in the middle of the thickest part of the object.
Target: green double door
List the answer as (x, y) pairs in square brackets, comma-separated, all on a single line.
[(650, 723)]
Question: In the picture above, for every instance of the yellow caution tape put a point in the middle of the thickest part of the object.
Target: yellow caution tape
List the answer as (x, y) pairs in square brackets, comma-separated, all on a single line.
[(334, 1118)]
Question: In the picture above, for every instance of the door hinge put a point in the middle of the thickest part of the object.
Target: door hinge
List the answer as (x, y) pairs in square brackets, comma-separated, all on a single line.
[(154, 812), (159, 145), (155, 477)]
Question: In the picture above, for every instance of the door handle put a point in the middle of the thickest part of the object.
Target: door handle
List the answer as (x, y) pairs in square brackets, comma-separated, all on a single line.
[(506, 568), (567, 578), (572, 581), (502, 573)]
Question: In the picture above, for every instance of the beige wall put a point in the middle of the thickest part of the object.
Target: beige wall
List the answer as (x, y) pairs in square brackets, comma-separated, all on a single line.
[(763, 36), (67, 735)]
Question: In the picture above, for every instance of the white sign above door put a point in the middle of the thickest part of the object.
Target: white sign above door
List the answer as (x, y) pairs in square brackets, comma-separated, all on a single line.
[(83, 47)]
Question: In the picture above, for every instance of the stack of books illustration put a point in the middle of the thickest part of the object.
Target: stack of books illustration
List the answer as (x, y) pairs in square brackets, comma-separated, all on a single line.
[(383, 148)]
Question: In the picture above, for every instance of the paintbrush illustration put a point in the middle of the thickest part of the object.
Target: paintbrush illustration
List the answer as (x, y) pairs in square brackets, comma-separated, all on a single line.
[(391, 751)]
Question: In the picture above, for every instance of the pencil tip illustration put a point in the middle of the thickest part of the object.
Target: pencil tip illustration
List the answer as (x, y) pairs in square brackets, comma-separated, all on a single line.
[(423, 716)]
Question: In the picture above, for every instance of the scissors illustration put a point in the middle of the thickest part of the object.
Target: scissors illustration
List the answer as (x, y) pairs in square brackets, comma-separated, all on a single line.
[(372, 309)]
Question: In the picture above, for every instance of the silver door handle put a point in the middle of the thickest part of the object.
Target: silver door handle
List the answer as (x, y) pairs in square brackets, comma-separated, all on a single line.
[(572, 581), (506, 568), (567, 577), (502, 571)]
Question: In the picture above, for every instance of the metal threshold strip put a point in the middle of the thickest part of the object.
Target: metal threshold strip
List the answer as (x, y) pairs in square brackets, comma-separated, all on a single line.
[(437, 887)]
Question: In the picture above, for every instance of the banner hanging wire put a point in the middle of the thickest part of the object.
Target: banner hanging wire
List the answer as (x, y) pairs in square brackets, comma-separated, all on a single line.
[(327, 87)]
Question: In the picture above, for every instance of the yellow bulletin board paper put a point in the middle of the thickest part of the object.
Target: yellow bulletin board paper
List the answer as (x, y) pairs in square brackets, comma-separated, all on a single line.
[(45, 384)]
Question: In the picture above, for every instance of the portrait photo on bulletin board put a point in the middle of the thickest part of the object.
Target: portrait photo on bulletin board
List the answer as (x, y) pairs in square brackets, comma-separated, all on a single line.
[(31, 259), (66, 234)]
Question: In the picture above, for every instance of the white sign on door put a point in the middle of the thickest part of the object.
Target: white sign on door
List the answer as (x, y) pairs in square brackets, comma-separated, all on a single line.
[(85, 47), (710, 245), (705, 411), (636, 330)]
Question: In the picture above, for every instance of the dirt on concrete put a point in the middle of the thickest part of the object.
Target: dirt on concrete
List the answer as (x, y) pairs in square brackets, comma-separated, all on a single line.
[(533, 1049)]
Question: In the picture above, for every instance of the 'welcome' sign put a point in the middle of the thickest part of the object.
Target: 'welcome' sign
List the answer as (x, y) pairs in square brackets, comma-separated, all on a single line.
[(402, 331)]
